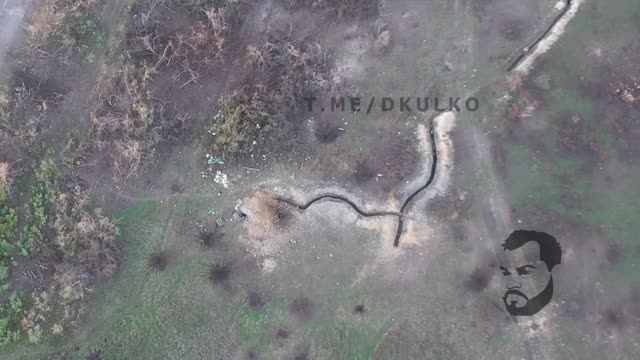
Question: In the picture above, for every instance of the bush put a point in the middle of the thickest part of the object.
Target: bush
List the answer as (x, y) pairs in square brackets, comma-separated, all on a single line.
[(8, 221), (283, 71), (10, 316), (44, 193)]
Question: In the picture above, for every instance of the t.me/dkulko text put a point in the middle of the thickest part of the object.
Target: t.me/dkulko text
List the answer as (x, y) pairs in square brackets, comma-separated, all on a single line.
[(387, 104)]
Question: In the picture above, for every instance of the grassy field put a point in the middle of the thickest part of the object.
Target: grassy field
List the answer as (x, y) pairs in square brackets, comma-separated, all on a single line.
[(150, 148)]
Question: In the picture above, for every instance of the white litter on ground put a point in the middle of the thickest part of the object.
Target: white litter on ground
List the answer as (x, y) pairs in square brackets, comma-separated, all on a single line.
[(222, 179)]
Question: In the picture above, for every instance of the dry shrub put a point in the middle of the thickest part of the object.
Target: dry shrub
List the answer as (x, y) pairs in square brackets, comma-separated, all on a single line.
[(84, 251), (127, 157), (129, 121), (263, 213), (185, 51), (21, 114), (282, 71), (126, 124), (87, 239), (61, 29), (45, 19)]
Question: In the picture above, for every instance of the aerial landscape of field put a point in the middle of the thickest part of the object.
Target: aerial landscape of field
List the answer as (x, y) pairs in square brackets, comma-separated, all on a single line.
[(319, 179)]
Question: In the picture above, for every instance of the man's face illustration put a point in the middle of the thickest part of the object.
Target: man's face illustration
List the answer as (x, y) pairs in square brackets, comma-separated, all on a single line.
[(528, 284)]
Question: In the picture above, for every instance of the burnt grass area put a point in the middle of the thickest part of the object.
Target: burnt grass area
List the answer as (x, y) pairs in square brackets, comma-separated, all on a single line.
[(220, 275), (158, 260), (211, 239), (301, 308)]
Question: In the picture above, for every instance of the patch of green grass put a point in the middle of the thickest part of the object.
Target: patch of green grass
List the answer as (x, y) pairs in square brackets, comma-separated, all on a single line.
[(44, 194), (8, 222), (624, 273), (10, 315), (527, 182), (258, 326), (563, 100), (349, 340), (498, 339), (560, 188), (616, 214)]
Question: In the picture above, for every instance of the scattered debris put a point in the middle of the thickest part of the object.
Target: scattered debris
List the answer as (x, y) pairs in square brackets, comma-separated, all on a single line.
[(222, 179), (214, 160)]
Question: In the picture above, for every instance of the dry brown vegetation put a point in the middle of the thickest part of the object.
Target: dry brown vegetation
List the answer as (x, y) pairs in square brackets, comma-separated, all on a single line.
[(282, 71), (64, 31), (82, 251), (129, 121), (23, 110), (88, 239), (359, 9)]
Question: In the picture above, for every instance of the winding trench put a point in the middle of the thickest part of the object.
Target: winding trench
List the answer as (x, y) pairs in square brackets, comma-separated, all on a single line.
[(532, 47), (399, 214), (434, 151)]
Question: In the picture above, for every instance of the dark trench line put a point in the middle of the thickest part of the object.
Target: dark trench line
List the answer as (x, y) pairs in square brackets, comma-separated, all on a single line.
[(434, 157), (432, 176), (531, 48), (399, 214), (338, 198)]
